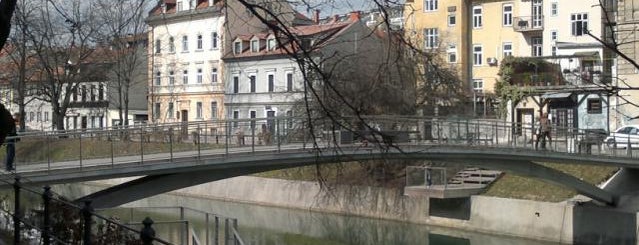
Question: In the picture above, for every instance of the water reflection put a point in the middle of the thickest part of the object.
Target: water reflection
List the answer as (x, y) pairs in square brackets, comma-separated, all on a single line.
[(261, 225)]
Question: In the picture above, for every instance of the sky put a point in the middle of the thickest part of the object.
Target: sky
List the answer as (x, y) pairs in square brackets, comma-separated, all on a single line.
[(333, 7)]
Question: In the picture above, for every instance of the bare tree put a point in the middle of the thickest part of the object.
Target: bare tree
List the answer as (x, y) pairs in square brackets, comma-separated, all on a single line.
[(124, 31), (63, 37)]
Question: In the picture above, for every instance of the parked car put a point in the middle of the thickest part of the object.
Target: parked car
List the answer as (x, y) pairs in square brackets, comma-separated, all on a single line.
[(623, 136)]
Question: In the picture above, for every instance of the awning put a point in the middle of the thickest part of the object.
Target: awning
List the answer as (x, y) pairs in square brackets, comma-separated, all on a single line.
[(587, 55), (555, 95)]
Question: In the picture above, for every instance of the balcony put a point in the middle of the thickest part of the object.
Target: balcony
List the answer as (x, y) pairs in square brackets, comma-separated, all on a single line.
[(528, 23)]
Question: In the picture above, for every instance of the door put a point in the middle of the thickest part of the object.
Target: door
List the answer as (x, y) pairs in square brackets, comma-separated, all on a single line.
[(270, 115), (185, 127), (524, 121), (83, 122), (537, 13)]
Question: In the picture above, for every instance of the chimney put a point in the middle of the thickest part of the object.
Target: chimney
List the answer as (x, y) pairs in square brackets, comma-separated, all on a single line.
[(354, 16), (316, 16), (335, 18)]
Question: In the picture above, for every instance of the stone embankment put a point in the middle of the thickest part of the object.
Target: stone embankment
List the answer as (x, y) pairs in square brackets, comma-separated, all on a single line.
[(519, 218)]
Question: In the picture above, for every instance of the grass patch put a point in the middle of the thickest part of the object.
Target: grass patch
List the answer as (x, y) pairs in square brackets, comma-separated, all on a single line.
[(514, 186), (31, 151)]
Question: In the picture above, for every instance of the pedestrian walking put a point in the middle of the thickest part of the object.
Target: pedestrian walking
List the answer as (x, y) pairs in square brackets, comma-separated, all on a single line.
[(11, 142), (544, 132)]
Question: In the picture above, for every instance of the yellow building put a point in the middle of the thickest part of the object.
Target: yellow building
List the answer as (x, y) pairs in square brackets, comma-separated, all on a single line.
[(440, 26), (479, 32)]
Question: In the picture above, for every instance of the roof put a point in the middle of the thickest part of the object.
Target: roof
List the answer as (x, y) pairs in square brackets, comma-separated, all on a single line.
[(553, 95)]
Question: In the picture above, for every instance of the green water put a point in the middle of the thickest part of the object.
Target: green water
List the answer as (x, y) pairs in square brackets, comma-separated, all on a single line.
[(261, 225)]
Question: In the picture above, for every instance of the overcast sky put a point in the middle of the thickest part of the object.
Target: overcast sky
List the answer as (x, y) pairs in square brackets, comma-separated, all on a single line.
[(332, 7)]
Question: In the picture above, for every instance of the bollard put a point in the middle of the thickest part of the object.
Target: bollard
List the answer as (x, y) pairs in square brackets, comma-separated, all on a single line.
[(147, 234), (16, 212), (87, 211), (46, 200), (216, 235)]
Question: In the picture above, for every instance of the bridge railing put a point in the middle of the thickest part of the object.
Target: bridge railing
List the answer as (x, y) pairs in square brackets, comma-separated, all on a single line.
[(146, 144), (56, 220)]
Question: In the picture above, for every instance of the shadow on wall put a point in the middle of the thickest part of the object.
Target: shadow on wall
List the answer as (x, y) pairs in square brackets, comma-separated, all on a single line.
[(603, 225), (453, 208)]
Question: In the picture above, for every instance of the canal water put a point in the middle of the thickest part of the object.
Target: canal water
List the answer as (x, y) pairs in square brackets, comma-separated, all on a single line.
[(260, 225)]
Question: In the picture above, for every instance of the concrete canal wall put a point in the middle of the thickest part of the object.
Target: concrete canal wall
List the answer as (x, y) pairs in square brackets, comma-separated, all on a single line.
[(519, 218)]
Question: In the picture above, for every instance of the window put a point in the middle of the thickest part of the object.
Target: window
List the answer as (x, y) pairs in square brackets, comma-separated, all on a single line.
[(553, 35), (93, 91), (270, 43), (198, 110), (236, 115), (180, 6), (46, 116), (430, 5), (157, 108), (237, 47), (579, 24), (158, 46), (508, 49), (452, 20), (508, 15), (289, 119), (255, 46), (236, 84), (477, 17), (252, 83), (158, 78), (185, 77), (170, 110), (214, 75), (199, 76), (477, 55), (171, 44), (594, 106), (452, 53), (289, 82), (252, 115), (39, 116), (271, 82), (199, 42), (84, 93), (185, 44), (554, 50), (101, 92), (214, 110), (171, 77), (75, 95), (537, 46), (214, 40), (31, 116), (478, 85), (554, 9), (430, 37)]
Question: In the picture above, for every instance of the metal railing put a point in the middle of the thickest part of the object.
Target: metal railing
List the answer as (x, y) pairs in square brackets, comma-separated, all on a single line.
[(528, 23), (61, 222), (193, 141)]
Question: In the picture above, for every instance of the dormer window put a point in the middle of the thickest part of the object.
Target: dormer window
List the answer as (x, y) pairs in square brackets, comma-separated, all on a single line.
[(237, 47), (270, 43), (255, 46)]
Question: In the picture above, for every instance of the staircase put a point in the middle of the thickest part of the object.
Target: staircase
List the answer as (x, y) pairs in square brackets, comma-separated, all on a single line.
[(465, 183)]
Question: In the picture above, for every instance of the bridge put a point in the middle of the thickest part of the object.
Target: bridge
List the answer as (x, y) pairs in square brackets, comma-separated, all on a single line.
[(172, 156)]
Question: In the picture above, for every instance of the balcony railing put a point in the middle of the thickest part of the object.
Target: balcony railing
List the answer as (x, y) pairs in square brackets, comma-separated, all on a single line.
[(528, 23)]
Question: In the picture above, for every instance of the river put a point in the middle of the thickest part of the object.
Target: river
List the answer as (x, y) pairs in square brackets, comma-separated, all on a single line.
[(260, 225)]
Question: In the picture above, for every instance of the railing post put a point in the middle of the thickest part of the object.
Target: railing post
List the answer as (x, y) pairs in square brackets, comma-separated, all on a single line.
[(112, 148), (171, 142), (147, 234), (228, 132), (216, 233), (226, 231), (16, 212), (86, 217), (277, 129), (207, 231), (48, 152), (253, 124), (304, 135), (629, 147), (235, 239), (199, 149), (46, 220), (80, 140), (142, 145)]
